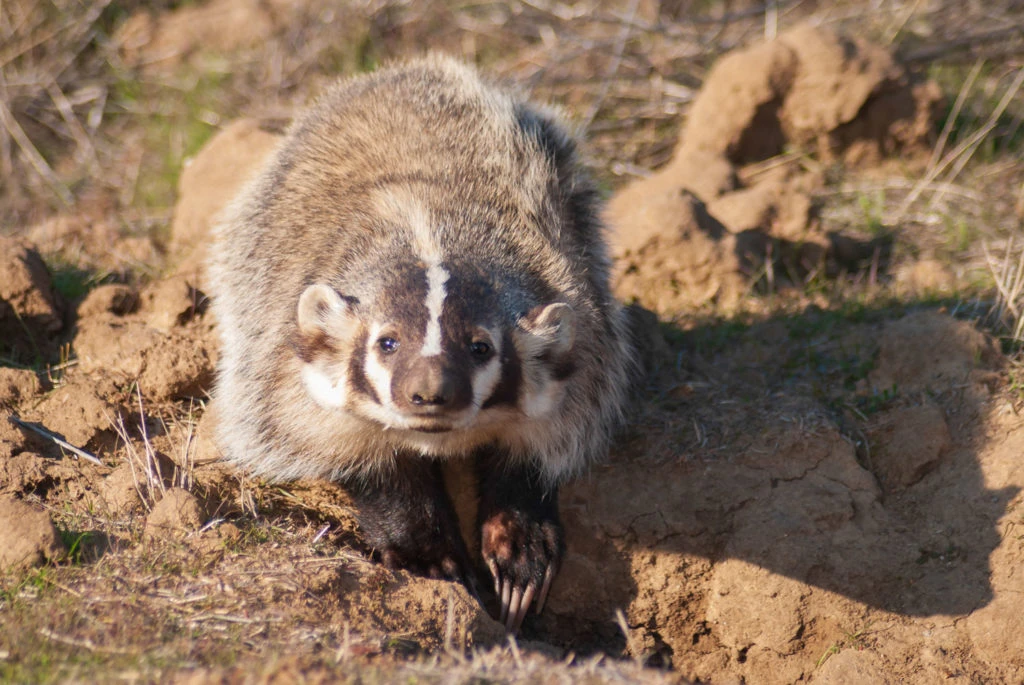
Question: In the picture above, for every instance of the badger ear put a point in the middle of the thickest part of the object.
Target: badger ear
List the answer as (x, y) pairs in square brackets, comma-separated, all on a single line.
[(322, 310), (549, 329)]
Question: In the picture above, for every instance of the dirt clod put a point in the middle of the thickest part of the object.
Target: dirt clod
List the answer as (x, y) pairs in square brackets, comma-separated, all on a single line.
[(17, 385), (927, 350), (177, 513), (668, 232), (909, 443), (211, 179), (27, 536), (809, 89), (30, 310)]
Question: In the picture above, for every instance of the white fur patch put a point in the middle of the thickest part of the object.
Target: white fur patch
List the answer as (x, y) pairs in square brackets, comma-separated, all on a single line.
[(328, 394), (437, 276), (379, 377), (486, 379), (400, 204)]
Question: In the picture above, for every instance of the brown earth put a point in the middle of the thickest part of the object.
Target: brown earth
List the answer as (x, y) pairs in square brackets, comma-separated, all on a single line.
[(804, 498), (728, 210)]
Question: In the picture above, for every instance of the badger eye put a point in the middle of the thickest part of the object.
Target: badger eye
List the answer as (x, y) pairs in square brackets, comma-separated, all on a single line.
[(387, 345), (479, 349)]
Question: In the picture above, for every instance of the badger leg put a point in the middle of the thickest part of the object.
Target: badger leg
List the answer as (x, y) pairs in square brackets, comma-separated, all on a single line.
[(410, 523), (521, 537)]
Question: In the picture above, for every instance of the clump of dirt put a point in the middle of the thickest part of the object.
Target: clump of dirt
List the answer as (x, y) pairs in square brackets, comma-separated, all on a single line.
[(157, 338), (910, 442), (176, 514), (93, 245), (927, 350), (16, 385), (211, 179), (844, 97), (79, 411), (171, 38), (31, 312), (810, 88), (27, 536), (680, 255)]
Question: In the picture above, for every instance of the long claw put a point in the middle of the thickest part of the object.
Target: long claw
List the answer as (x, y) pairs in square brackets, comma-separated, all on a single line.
[(506, 597), (514, 610), (549, 575), (524, 607), (496, 574)]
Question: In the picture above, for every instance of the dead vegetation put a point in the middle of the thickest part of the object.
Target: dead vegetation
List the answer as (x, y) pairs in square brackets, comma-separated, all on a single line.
[(704, 548)]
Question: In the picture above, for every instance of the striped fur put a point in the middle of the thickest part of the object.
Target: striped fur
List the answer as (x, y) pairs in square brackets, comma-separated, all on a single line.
[(425, 206)]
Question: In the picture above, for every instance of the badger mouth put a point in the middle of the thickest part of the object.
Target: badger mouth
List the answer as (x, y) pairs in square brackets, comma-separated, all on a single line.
[(423, 424), (432, 429)]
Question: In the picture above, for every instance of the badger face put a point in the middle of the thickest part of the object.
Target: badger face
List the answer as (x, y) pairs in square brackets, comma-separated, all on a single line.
[(433, 353)]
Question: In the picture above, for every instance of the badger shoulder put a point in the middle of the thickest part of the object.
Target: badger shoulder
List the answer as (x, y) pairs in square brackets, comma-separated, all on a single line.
[(420, 268)]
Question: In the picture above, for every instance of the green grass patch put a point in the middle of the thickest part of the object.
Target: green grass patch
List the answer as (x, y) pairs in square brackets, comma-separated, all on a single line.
[(176, 116)]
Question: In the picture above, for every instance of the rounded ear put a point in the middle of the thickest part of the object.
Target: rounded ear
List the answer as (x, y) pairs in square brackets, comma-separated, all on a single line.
[(553, 328), (323, 310)]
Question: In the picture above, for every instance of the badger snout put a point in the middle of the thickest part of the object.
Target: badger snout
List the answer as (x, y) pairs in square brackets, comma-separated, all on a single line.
[(430, 387)]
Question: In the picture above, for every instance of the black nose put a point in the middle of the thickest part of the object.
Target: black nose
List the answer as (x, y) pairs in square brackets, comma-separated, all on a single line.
[(428, 399), (429, 386), (432, 386)]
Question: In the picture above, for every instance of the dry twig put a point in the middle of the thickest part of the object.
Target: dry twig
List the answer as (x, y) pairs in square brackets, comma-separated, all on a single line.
[(77, 451)]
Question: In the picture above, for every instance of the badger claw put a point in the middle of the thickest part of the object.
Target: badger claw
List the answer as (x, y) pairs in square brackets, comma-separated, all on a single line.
[(549, 575), (522, 555)]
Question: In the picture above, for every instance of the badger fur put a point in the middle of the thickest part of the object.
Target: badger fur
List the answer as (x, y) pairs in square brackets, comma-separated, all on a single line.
[(419, 274)]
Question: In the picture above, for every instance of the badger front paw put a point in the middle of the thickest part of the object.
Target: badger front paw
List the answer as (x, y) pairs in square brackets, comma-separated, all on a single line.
[(408, 522), (434, 549), (523, 550)]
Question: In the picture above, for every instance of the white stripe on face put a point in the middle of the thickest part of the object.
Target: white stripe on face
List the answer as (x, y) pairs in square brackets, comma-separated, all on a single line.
[(485, 381), (379, 377), (436, 278)]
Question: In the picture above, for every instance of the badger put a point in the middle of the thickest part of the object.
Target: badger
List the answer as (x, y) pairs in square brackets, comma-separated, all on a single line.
[(419, 274)]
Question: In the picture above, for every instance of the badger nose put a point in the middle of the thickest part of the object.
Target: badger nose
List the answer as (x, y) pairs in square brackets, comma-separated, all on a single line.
[(429, 387), (432, 387)]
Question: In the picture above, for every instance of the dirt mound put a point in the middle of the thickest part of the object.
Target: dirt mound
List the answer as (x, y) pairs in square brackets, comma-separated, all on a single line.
[(27, 536), (31, 312), (926, 350), (810, 88), (792, 534), (156, 338), (176, 514), (211, 179), (219, 26)]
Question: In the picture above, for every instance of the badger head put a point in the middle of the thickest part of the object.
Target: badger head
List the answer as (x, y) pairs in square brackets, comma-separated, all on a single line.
[(434, 352)]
